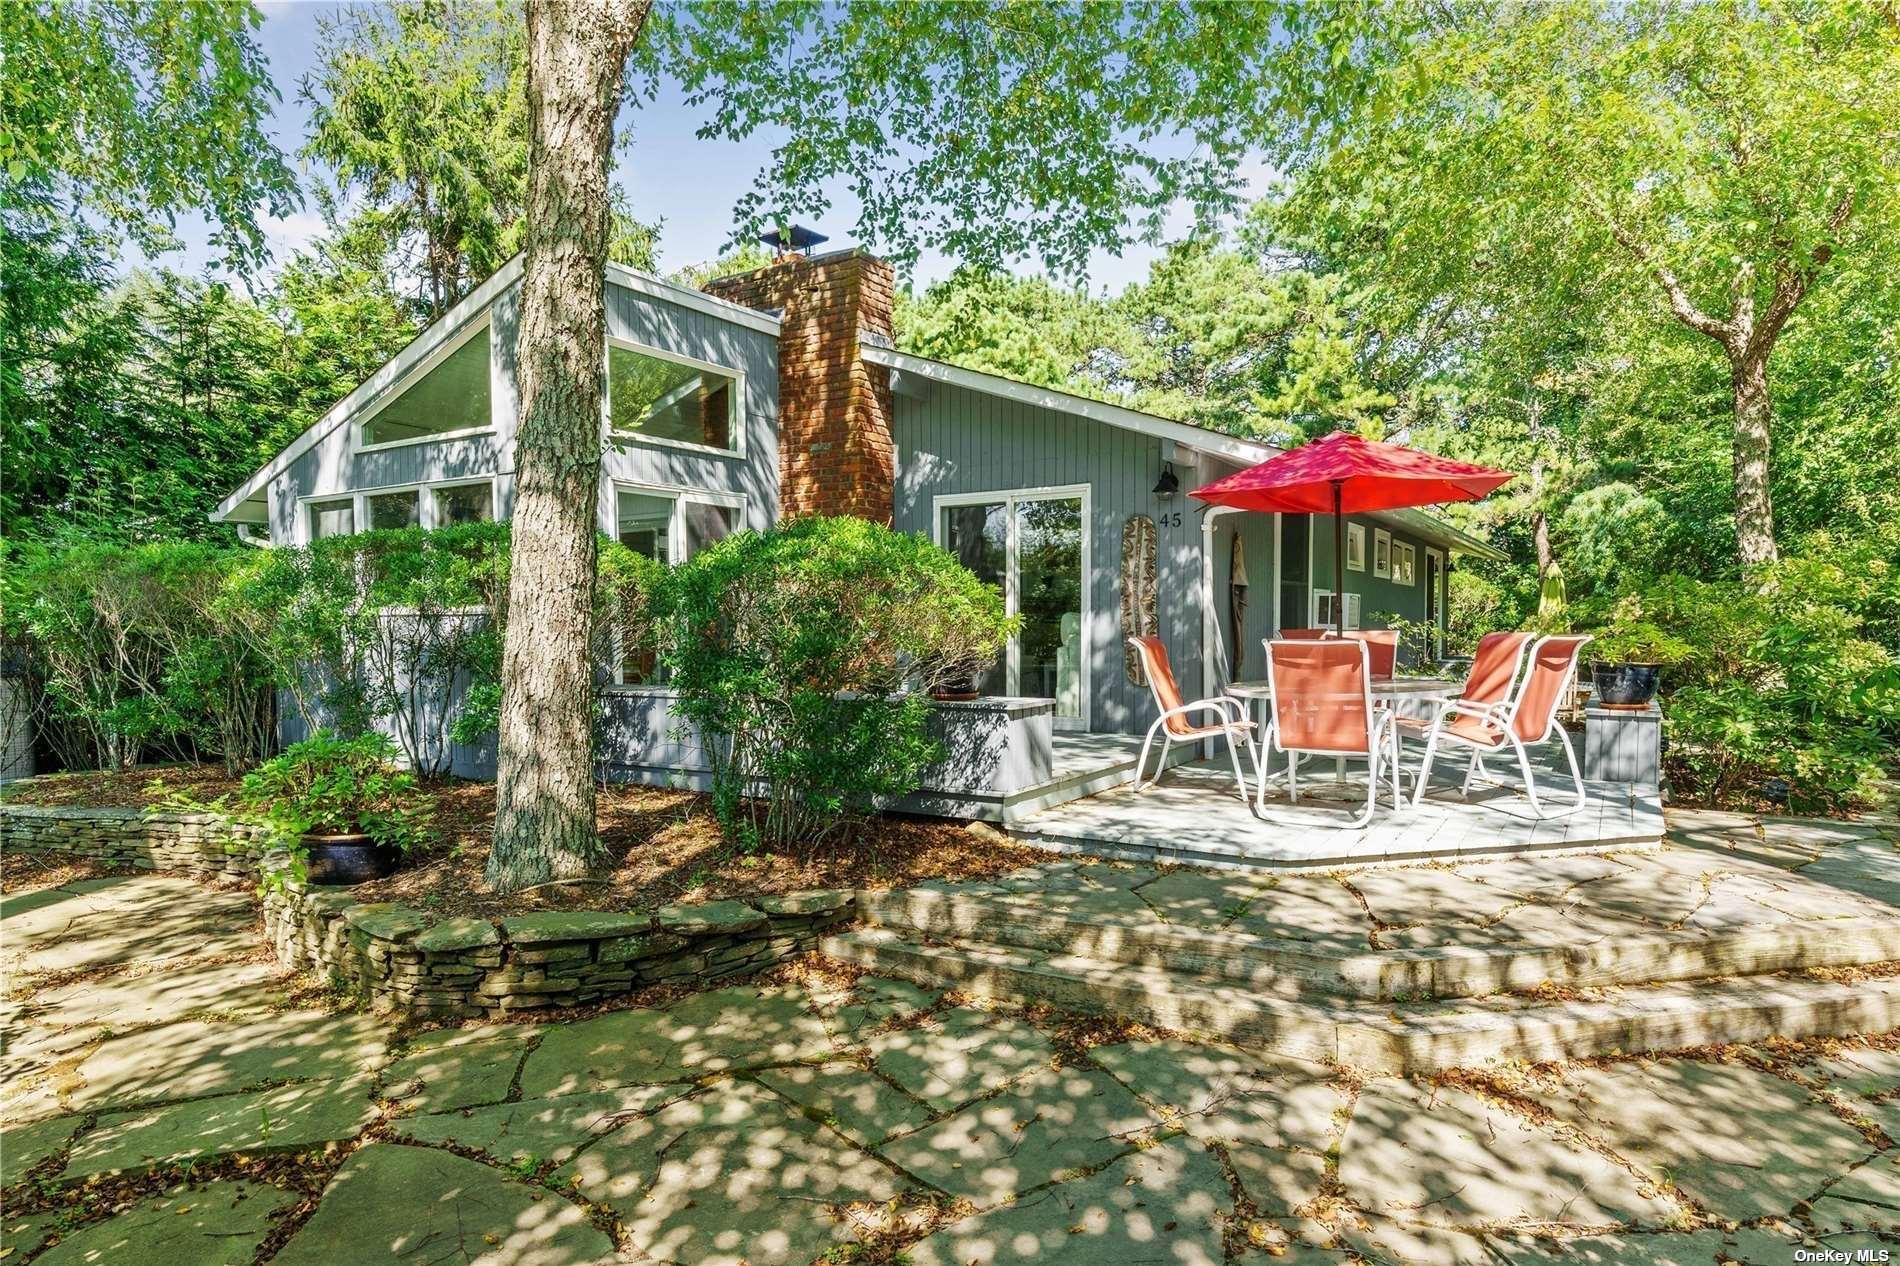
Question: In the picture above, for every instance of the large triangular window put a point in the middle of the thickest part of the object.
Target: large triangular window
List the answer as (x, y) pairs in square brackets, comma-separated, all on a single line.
[(451, 398)]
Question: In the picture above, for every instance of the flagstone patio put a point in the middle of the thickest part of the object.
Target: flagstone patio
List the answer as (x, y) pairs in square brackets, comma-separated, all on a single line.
[(821, 1119)]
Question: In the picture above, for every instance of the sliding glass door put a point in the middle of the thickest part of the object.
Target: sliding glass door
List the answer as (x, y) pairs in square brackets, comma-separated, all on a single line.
[(1033, 547)]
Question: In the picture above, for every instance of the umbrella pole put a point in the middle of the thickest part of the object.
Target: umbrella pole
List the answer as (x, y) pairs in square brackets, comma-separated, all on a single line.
[(1339, 560)]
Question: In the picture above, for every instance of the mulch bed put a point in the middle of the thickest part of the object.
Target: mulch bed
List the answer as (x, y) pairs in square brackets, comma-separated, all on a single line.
[(665, 845), (121, 789)]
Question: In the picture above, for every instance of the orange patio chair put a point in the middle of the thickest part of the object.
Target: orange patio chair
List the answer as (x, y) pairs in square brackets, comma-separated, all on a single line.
[(1229, 718), (1304, 635), (1383, 645), (1528, 718), (1322, 706)]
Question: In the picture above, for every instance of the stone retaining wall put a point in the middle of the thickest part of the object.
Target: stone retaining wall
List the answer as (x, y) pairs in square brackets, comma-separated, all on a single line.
[(201, 844), (396, 958)]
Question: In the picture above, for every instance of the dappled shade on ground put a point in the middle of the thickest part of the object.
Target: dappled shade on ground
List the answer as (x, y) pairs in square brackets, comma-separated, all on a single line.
[(775, 1123)]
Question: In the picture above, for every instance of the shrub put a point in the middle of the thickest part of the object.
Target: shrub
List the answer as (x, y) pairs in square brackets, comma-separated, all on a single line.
[(330, 785), (134, 648), (802, 655), (385, 625), (1771, 684)]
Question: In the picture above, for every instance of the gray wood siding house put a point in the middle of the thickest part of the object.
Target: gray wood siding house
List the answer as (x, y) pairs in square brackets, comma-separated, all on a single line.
[(723, 415)]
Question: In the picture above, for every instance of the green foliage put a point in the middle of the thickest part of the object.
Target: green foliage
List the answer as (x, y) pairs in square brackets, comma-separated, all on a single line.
[(380, 626), (129, 112), (328, 785), (419, 115), (1626, 637), (128, 412), (135, 649), (987, 131), (1761, 684), (1570, 217), (1213, 336), (803, 655), (1611, 532)]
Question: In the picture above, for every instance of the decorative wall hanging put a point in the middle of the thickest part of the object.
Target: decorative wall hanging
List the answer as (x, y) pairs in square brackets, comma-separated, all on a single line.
[(1138, 591)]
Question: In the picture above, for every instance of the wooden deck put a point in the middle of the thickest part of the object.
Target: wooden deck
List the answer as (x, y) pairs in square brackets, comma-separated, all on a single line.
[(1194, 817)]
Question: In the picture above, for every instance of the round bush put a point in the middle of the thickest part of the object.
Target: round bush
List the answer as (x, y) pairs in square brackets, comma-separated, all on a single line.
[(805, 654)]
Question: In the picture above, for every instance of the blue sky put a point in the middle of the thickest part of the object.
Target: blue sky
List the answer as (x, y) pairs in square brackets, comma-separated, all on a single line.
[(669, 173)]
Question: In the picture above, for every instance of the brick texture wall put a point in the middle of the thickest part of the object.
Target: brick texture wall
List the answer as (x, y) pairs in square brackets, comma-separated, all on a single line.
[(834, 408)]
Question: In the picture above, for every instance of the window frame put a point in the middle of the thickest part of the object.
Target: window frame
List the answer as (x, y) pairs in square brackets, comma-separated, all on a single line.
[(1404, 564), (680, 496), (424, 489), (423, 368), (1355, 544), (1381, 553), (1322, 596), (306, 510), (735, 421)]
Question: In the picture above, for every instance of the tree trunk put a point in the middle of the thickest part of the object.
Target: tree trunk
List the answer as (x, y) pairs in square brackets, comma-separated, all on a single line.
[(544, 794), (1754, 412), (1540, 522)]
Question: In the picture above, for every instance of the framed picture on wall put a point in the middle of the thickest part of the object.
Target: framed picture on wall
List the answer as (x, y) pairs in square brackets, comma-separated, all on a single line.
[(1355, 547), (1381, 552), (1404, 559)]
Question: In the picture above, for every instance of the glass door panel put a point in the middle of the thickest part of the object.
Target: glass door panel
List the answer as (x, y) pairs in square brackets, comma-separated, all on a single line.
[(1049, 598), (1030, 549), (979, 536)]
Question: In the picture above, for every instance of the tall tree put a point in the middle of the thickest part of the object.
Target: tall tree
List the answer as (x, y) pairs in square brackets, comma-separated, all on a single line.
[(419, 114), (544, 805), (132, 112), (1710, 166), (988, 129)]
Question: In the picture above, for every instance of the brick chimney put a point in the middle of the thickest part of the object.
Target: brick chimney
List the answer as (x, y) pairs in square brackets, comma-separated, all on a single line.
[(834, 437)]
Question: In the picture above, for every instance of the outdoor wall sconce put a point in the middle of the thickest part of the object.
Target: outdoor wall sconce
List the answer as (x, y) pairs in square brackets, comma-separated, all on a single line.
[(1168, 484)]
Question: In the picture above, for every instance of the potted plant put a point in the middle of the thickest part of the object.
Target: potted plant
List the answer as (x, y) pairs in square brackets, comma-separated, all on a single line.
[(346, 812), (1628, 655)]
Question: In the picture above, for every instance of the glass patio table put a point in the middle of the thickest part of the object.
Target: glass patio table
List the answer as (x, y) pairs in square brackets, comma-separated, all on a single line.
[(1389, 692)]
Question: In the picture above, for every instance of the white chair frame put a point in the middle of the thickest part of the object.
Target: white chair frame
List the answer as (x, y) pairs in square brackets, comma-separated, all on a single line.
[(1504, 716), (1234, 724), (1382, 747)]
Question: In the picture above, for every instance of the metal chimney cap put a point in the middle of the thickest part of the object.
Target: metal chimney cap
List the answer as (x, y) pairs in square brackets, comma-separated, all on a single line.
[(790, 238)]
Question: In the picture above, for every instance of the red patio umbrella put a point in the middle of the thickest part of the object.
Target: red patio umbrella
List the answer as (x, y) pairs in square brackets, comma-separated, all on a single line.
[(1343, 474)]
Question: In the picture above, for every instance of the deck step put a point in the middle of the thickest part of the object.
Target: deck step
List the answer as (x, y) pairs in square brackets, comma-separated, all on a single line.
[(1319, 969), (1384, 1037)]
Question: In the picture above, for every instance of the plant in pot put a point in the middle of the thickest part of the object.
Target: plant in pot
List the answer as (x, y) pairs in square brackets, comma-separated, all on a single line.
[(1628, 654), (343, 809)]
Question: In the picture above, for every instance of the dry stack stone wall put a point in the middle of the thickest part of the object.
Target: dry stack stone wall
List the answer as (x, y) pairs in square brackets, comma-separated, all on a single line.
[(201, 844), (396, 958)]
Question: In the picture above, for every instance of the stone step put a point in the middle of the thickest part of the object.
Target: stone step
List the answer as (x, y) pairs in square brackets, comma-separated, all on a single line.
[(1390, 1038), (1318, 969)]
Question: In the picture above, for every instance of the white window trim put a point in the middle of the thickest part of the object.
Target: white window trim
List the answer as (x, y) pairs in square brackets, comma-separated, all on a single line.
[(1406, 575), (735, 423), (680, 496), (1381, 537), (358, 498), (1010, 597), (1320, 597), (1356, 535), (480, 325)]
